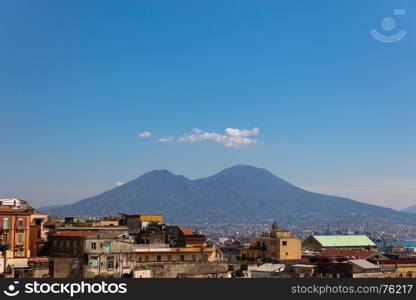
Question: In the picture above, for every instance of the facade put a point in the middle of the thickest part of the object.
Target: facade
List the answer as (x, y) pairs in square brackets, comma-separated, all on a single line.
[(90, 254), (352, 242), (178, 236), (401, 268), (14, 237), (231, 252), (38, 232), (277, 245)]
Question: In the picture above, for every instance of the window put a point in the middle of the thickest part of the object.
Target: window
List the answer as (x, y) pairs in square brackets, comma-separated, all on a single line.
[(169, 257), (193, 257), (284, 243), (110, 263), (93, 245), (107, 247), (20, 223), (140, 259), (182, 257), (159, 258), (6, 223), (5, 239), (20, 238), (94, 261), (146, 258)]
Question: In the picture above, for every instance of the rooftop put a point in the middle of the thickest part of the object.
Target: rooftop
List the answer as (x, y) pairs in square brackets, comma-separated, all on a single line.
[(364, 264), (344, 240), (267, 268), (75, 233), (185, 231)]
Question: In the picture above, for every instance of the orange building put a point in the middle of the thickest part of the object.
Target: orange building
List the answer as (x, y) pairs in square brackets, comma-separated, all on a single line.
[(14, 237)]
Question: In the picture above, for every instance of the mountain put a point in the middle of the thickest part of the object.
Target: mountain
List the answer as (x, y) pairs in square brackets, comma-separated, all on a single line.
[(411, 209), (240, 193)]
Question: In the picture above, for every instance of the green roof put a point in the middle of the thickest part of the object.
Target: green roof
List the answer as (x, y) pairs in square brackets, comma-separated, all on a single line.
[(344, 240)]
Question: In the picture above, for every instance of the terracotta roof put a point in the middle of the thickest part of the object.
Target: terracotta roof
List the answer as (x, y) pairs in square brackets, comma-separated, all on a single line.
[(185, 231), (75, 233), (5, 209), (346, 253), (396, 261)]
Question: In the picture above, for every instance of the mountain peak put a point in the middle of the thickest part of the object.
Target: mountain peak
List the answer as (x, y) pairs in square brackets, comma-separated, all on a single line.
[(159, 173), (246, 171)]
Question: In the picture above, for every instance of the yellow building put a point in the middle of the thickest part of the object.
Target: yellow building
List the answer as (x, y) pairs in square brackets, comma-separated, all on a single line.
[(402, 268), (277, 244), (103, 223), (151, 218)]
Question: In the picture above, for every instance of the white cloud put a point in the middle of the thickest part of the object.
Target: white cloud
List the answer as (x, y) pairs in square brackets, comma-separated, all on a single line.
[(119, 183), (145, 135), (232, 137), (166, 139)]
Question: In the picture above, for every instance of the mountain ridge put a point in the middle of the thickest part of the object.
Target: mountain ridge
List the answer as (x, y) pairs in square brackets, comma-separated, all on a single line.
[(238, 193)]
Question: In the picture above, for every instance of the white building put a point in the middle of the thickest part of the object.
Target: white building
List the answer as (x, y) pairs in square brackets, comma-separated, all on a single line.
[(14, 203)]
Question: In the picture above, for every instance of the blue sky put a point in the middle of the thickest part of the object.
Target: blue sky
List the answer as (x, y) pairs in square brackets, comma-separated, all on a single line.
[(79, 80)]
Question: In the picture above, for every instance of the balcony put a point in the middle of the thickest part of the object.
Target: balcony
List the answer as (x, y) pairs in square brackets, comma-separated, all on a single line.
[(19, 245)]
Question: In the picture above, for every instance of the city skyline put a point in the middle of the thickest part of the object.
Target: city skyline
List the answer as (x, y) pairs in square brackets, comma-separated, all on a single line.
[(96, 94)]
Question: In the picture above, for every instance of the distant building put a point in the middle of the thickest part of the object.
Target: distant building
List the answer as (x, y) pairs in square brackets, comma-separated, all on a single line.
[(321, 242), (140, 221), (102, 223), (277, 244), (231, 252)]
